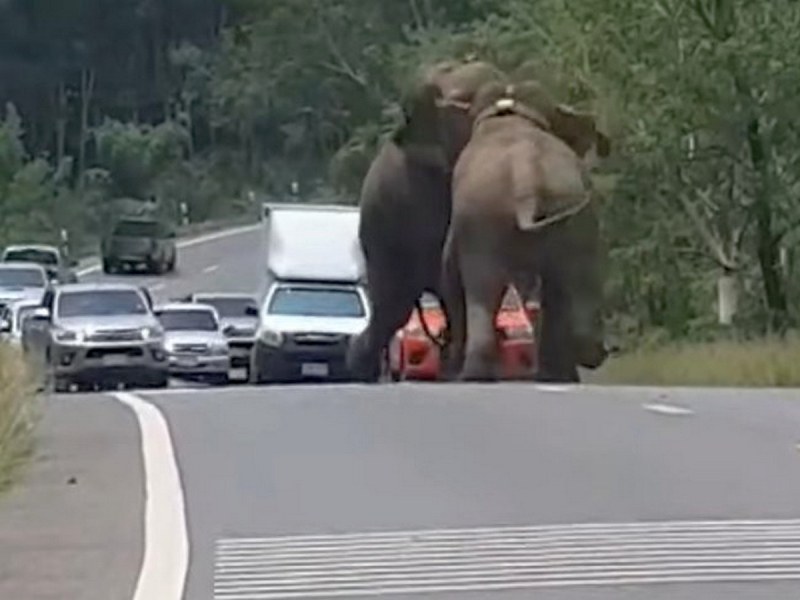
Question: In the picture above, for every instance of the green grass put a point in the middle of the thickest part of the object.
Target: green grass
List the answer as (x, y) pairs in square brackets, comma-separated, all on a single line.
[(19, 412), (758, 363)]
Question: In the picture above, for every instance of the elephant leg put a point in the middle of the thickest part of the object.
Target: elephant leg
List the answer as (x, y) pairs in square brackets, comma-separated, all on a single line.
[(555, 354), (392, 296), (484, 284), (455, 312)]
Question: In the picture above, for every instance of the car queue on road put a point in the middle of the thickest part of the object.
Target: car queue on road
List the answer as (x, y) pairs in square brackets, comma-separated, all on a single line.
[(296, 327)]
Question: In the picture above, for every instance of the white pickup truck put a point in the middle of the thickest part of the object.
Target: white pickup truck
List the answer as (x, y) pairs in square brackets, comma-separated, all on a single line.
[(314, 302)]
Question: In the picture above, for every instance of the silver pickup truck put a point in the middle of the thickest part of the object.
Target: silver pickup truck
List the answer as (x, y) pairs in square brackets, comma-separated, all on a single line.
[(97, 334)]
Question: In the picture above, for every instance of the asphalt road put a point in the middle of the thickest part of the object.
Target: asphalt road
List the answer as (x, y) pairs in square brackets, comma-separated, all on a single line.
[(467, 491)]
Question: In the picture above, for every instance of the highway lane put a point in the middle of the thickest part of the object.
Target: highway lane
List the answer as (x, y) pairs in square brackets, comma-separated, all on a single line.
[(642, 493), (516, 467)]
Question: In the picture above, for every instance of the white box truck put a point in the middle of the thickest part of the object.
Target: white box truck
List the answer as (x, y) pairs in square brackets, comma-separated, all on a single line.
[(314, 301)]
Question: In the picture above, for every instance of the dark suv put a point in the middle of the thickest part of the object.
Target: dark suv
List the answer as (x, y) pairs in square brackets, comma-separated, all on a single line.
[(136, 242)]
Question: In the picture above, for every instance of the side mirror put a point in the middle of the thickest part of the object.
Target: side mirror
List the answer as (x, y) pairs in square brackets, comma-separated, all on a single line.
[(228, 330), (251, 311), (171, 235), (40, 314), (72, 263)]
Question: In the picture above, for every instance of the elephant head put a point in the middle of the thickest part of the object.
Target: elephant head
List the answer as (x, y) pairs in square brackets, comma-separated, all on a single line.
[(529, 99), (436, 111)]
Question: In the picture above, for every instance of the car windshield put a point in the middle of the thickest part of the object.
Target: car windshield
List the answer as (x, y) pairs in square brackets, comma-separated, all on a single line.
[(34, 255), (227, 307), (310, 302), (187, 320), (103, 303), (22, 278), (137, 229)]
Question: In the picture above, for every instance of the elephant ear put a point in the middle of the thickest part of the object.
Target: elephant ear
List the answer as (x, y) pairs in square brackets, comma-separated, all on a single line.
[(579, 131), (419, 134)]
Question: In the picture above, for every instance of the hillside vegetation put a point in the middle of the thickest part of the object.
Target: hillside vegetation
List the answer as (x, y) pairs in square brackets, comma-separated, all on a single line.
[(202, 101)]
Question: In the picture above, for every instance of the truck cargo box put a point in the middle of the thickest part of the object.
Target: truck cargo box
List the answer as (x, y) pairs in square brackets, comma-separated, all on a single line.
[(313, 242)]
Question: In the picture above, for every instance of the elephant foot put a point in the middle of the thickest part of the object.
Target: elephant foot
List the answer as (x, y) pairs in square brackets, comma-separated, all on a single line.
[(557, 378), (364, 366)]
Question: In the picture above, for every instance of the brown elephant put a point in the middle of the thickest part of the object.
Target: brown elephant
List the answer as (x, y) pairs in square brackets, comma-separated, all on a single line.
[(405, 204), (523, 213)]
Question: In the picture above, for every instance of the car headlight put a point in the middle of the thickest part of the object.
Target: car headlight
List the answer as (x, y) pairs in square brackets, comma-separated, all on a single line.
[(271, 338), (68, 336), (152, 333)]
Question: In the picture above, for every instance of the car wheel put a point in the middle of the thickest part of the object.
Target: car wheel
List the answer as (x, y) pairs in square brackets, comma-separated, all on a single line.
[(172, 264), (158, 380), (61, 384), (108, 267)]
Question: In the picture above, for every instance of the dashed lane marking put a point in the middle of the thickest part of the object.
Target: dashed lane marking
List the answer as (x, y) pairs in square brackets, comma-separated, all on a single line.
[(668, 409), (501, 558), (210, 268), (166, 553)]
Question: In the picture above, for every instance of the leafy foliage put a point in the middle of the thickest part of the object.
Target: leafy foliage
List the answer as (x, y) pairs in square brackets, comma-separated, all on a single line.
[(200, 101)]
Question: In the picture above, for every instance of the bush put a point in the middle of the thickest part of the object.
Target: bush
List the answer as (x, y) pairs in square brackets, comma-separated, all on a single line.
[(768, 362), (18, 413)]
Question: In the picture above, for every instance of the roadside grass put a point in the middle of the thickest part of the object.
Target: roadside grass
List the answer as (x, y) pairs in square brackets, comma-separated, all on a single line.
[(19, 413), (759, 363)]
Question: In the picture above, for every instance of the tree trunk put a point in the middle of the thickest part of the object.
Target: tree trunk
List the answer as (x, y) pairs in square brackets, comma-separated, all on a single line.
[(767, 243), (87, 90), (727, 297), (61, 123)]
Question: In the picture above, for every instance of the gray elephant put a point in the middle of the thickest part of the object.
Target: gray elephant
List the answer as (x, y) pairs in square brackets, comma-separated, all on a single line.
[(405, 204), (523, 213)]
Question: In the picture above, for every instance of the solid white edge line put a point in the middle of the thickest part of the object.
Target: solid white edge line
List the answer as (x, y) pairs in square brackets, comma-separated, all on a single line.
[(189, 242), (165, 559)]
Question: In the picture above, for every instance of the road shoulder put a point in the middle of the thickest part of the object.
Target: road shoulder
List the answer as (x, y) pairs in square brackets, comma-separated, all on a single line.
[(73, 527)]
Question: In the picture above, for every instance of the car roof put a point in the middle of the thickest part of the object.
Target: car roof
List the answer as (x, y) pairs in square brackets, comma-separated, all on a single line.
[(185, 306), (98, 287), (42, 247), (22, 266), (222, 295)]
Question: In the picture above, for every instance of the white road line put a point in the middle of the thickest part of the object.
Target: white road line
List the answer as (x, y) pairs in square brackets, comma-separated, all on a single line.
[(157, 287), (188, 243), (210, 268), (496, 558), (166, 550), (668, 409)]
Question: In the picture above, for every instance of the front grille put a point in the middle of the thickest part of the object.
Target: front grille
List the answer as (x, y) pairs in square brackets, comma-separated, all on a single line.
[(116, 335), (190, 349), (318, 339), (101, 352), (241, 333), (246, 345)]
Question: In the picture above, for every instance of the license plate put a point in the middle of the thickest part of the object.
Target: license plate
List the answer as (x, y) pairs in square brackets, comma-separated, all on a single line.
[(237, 373), (186, 362), (314, 369), (114, 360)]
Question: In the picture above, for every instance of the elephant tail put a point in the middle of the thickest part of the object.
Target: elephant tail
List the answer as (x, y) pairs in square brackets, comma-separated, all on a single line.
[(440, 343)]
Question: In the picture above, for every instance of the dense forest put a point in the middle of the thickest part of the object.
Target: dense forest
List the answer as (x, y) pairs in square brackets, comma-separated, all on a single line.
[(202, 101)]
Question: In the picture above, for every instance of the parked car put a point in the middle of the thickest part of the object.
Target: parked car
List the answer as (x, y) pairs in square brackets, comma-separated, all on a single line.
[(238, 315), (139, 241), (414, 356), (196, 346), (22, 281), (100, 333), (12, 318), (59, 268), (305, 330)]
